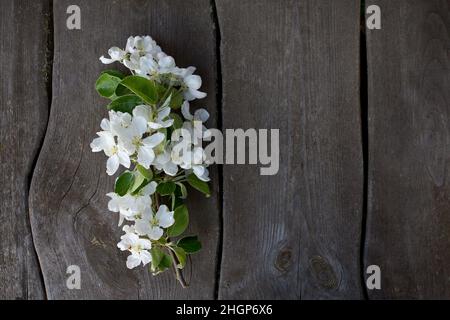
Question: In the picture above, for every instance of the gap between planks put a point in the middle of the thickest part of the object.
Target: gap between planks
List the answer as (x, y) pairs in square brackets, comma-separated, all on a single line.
[(49, 53), (218, 37)]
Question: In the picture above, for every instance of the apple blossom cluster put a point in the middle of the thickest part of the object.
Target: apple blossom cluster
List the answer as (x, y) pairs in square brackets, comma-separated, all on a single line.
[(149, 132), (145, 58)]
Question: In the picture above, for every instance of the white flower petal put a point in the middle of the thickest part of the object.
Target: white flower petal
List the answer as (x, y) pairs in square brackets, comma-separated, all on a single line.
[(198, 171), (188, 95), (170, 168), (193, 82), (124, 159), (197, 94), (116, 53), (205, 176), (201, 115), (142, 111), (148, 65), (121, 218), (106, 60), (167, 62), (97, 145), (142, 227), (154, 125), (155, 233), (144, 243), (133, 261), (168, 123), (164, 113), (105, 125), (165, 217), (146, 257), (149, 189), (112, 165), (140, 125), (153, 140), (128, 229), (146, 155), (185, 111)]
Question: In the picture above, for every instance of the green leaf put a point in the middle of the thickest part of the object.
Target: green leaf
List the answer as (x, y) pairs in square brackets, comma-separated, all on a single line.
[(138, 181), (176, 200), (181, 256), (166, 102), (123, 183), (106, 85), (182, 190), (125, 103), (166, 262), (181, 217), (166, 188), (190, 244), (198, 184), (146, 173), (142, 87), (177, 121), (157, 256), (176, 99), (121, 91)]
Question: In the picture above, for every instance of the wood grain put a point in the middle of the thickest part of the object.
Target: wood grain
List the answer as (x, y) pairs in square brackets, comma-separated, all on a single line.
[(23, 118), (293, 65), (70, 221), (409, 107)]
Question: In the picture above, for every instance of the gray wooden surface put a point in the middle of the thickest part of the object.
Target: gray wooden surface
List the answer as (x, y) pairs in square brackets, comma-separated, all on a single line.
[(23, 118), (70, 221), (307, 232), (297, 232), (408, 229)]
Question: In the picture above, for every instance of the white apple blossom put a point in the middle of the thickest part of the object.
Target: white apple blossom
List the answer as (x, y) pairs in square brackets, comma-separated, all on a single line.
[(138, 248), (165, 163), (115, 53), (164, 156), (128, 229), (155, 120), (115, 152), (134, 141), (193, 159), (129, 206), (152, 224), (142, 46), (143, 56)]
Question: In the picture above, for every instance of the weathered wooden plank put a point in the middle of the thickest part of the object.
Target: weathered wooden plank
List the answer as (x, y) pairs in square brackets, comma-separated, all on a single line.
[(293, 65), (409, 107), (70, 220), (23, 118)]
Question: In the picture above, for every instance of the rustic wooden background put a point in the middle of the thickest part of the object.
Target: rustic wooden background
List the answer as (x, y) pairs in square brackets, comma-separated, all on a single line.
[(365, 143)]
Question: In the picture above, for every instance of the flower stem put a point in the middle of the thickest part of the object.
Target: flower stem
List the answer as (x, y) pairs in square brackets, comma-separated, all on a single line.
[(178, 272), (175, 261)]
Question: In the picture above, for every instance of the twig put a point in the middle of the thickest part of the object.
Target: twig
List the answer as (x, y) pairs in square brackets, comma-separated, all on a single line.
[(175, 261), (178, 272)]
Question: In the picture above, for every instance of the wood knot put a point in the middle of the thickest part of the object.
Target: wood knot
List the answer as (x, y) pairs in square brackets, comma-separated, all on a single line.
[(284, 259), (323, 272)]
